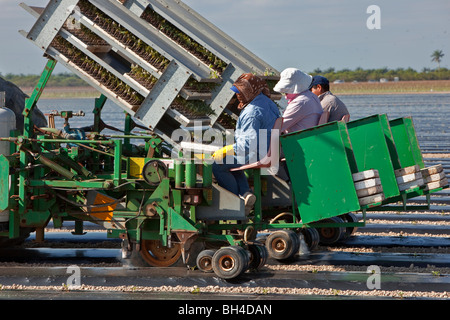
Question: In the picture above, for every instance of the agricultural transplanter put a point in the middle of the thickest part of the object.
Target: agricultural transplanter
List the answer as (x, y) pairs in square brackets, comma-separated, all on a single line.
[(169, 210)]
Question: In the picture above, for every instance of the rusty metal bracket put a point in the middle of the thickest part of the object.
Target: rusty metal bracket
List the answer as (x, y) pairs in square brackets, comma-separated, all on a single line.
[(186, 239)]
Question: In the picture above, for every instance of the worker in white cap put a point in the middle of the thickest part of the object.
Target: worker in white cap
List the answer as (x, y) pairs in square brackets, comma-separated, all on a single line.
[(304, 109)]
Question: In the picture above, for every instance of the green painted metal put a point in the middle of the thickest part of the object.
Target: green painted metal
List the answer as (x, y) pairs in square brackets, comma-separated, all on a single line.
[(78, 228), (384, 121), (117, 161), (371, 150), (99, 104), (179, 223), (405, 139), (56, 167), (207, 175), (320, 163), (190, 174), (30, 103), (16, 216), (207, 182), (404, 135), (179, 173), (37, 219), (258, 191), (127, 131), (4, 183)]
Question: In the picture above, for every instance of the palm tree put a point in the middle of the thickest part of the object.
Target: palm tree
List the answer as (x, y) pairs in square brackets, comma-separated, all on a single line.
[(437, 57)]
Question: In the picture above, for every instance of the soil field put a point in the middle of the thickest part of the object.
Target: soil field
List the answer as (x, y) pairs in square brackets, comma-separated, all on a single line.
[(65, 92), (400, 87)]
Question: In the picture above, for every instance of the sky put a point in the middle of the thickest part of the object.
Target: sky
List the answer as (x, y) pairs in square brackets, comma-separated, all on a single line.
[(308, 35)]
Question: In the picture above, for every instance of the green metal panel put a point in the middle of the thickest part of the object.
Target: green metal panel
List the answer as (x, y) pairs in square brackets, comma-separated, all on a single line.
[(406, 141), (191, 174), (320, 163), (30, 103), (4, 183), (390, 142), (372, 151)]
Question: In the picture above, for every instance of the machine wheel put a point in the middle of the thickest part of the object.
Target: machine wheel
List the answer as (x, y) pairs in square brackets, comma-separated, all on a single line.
[(230, 262), (204, 260), (330, 235), (350, 217), (283, 244), (258, 256), (245, 256), (156, 255), (311, 236)]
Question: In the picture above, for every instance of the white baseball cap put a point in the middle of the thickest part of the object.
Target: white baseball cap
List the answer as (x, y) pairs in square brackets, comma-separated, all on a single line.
[(293, 80)]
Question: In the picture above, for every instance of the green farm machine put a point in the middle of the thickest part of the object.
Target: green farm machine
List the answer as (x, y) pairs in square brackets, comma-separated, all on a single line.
[(171, 70)]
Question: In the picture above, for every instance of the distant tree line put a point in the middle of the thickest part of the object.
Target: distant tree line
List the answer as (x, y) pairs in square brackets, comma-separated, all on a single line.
[(347, 75), (56, 80), (362, 75)]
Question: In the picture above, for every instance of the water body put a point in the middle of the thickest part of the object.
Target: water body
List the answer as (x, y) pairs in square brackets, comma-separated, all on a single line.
[(430, 112)]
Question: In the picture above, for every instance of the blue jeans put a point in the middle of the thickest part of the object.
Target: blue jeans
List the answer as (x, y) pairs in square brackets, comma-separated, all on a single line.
[(235, 182)]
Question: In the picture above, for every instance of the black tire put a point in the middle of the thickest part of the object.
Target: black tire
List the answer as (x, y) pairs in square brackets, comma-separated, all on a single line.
[(311, 237), (245, 256), (349, 231), (282, 244), (331, 235), (204, 261), (230, 262), (258, 256)]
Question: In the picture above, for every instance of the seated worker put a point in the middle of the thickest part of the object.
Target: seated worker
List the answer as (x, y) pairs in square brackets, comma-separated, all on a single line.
[(320, 86), (259, 112), (303, 110)]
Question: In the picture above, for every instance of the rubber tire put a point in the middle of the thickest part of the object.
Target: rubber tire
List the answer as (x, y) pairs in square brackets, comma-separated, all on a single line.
[(234, 256), (287, 240), (331, 235), (349, 231), (311, 237), (258, 256), (245, 255), (203, 257)]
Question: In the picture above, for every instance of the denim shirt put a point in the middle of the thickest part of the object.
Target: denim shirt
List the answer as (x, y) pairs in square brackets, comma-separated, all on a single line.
[(253, 129)]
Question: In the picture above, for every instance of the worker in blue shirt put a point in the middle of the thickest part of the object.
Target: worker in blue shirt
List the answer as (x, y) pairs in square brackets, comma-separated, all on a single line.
[(254, 124)]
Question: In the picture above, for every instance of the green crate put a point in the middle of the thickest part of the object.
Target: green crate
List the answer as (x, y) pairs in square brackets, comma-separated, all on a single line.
[(374, 148), (404, 135), (408, 149), (320, 162)]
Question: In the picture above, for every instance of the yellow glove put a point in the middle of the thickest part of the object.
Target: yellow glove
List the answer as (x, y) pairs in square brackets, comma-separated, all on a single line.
[(222, 153)]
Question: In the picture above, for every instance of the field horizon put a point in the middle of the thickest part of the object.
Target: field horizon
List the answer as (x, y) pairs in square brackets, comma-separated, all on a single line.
[(346, 88)]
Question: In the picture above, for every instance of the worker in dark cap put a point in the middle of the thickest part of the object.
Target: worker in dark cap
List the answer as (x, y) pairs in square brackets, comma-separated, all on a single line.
[(320, 86)]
